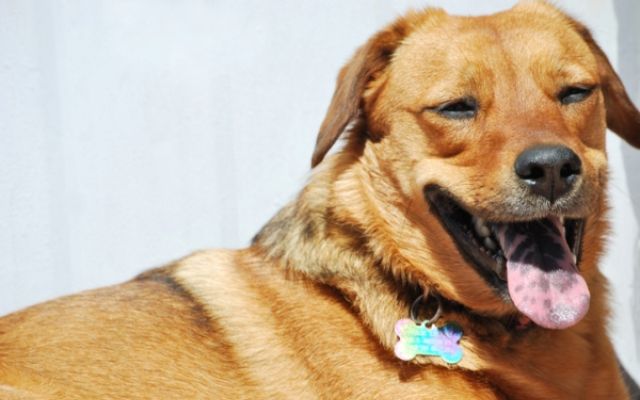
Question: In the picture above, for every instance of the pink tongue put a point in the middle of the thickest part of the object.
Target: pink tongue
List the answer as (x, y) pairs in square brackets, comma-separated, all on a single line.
[(543, 279)]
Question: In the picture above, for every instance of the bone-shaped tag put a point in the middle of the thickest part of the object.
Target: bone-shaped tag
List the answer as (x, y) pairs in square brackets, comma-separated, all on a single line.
[(416, 339)]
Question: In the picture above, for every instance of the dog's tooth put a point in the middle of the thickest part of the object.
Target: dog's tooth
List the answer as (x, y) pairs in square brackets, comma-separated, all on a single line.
[(484, 231), (489, 243), (575, 259), (480, 227)]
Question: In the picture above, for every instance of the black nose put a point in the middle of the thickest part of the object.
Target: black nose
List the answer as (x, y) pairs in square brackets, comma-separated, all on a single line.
[(549, 171)]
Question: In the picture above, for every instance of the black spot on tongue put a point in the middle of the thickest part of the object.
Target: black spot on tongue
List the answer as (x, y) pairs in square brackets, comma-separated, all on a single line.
[(540, 266)]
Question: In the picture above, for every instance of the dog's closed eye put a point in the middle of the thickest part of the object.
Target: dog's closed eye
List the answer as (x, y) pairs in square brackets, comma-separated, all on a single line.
[(464, 108), (574, 94)]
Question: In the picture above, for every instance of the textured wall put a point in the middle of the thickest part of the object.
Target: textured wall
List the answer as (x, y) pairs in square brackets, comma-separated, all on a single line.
[(133, 132), (627, 284)]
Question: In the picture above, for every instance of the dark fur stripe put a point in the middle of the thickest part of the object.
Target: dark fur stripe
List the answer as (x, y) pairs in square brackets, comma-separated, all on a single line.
[(164, 276)]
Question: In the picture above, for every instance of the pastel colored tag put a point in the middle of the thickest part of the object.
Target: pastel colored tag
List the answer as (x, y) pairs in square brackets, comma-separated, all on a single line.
[(416, 339)]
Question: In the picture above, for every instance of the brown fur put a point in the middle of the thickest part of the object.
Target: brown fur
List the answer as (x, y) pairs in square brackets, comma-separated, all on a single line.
[(308, 310)]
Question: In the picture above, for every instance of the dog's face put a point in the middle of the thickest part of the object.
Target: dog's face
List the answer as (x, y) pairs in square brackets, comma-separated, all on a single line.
[(492, 130)]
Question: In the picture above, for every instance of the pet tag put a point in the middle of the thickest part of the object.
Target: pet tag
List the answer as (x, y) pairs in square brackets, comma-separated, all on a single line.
[(418, 339)]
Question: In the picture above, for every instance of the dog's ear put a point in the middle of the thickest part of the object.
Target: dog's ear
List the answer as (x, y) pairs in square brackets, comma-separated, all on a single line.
[(368, 61), (622, 115)]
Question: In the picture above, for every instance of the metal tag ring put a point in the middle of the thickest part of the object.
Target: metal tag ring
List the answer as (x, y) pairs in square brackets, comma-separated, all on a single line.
[(418, 301)]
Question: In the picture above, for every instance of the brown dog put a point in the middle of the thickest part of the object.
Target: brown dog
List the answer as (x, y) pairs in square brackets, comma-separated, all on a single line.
[(474, 169)]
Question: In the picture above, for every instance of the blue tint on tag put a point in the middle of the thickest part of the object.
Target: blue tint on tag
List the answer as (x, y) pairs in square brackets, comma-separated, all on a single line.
[(416, 339)]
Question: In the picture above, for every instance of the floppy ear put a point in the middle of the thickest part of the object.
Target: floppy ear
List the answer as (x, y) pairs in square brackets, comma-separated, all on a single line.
[(368, 61), (622, 115)]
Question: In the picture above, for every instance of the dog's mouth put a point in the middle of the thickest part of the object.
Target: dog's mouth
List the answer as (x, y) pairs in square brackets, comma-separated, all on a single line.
[(532, 263)]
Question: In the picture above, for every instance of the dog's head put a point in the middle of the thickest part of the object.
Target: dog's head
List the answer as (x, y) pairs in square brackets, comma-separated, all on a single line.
[(491, 130)]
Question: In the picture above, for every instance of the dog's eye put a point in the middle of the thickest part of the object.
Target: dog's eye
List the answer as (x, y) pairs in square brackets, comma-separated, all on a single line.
[(458, 109), (574, 94)]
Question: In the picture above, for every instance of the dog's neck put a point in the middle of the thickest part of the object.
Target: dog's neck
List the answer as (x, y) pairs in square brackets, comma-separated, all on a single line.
[(310, 236)]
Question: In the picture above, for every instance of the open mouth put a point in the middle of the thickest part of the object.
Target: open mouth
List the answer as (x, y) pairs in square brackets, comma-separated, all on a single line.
[(532, 263)]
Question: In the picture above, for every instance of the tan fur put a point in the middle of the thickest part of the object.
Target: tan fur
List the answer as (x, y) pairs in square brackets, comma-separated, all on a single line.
[(308, 310)]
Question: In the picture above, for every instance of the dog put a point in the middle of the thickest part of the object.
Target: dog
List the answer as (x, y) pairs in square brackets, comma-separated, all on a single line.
[(448, 250)]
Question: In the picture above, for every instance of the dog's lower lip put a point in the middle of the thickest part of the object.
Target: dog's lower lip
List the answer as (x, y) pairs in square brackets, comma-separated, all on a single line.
[(469, 234)]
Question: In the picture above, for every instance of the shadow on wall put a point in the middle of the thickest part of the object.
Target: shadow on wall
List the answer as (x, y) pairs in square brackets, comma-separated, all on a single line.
[(627, 12)]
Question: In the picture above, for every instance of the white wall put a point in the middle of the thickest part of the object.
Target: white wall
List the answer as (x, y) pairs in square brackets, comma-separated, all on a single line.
[(133, 132)]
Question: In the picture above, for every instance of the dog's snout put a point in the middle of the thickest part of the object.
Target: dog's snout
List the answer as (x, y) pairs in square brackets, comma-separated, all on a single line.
[(549, 171)]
